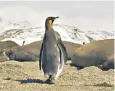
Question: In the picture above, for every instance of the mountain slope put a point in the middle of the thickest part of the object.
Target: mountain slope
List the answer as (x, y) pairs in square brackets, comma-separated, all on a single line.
[(68, 33)]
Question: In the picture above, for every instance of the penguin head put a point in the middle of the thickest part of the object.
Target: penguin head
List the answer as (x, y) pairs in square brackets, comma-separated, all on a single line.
[(49, 21)]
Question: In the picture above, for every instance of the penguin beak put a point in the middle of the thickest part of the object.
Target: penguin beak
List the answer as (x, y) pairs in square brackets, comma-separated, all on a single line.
[(56, 17)]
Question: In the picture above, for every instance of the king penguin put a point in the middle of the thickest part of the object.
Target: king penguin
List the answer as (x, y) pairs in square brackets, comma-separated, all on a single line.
[(53, 54)]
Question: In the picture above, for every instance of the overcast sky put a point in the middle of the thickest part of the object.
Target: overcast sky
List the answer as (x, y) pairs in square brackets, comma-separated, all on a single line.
[(85, 15)]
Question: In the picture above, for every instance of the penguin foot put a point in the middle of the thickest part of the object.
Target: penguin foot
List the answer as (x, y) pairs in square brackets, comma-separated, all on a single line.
[(49, 81)]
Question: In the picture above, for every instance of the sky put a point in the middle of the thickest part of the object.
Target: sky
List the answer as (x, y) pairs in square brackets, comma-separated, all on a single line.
[(85, 15)]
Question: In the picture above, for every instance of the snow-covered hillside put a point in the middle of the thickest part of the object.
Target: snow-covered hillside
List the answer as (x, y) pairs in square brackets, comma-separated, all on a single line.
[(68, 33)]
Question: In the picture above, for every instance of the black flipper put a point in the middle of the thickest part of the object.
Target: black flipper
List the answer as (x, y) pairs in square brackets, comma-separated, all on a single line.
[(61, 56), (63, 49), (40, 60)]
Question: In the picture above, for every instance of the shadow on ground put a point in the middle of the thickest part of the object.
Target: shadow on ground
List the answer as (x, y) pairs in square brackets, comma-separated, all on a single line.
[(31, 81)]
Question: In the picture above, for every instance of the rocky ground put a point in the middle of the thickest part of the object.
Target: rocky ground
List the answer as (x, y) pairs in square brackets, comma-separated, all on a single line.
[(26, 76)]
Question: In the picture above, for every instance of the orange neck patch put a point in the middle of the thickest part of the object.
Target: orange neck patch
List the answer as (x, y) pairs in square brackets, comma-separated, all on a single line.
[(50, 23)]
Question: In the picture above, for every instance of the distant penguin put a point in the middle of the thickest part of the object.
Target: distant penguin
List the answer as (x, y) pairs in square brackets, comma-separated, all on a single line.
[(23, 43), (83, 43), (51, 54)]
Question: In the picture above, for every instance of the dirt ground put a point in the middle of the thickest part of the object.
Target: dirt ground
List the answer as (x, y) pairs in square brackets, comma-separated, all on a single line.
[(26, 76)]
